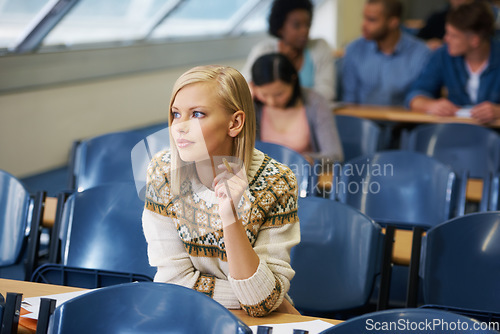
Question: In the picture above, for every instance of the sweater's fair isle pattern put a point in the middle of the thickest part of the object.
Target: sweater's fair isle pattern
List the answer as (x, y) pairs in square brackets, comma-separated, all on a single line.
[(269, 202)]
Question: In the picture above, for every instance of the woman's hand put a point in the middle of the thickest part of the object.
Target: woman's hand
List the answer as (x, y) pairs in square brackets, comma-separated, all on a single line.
[(442, 107), (229, 187), (486, 112)]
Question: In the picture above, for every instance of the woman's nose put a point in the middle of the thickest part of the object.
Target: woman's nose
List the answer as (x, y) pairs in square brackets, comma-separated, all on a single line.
[(182, 127)]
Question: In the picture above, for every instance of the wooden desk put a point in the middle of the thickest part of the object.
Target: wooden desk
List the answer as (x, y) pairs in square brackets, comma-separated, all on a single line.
[(401, 115), (49, 211), (30, 289)]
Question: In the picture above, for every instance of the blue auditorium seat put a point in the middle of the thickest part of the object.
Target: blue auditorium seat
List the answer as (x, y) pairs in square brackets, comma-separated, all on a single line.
[(337, 259), (359, 136), (471, 150), (20, 219), (101, 239), (400, 189), (108, 158), (144, 307), (461, 263)]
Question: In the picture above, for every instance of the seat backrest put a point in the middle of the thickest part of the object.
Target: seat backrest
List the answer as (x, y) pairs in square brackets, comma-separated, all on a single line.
[(144, 308), (105, 159), (101, 229), (400, 188), (465, 147), (494, 193), (359, 136), (297, 163), (143, 152), (15, 218), (411, 320), (337, 258), (462, 263)]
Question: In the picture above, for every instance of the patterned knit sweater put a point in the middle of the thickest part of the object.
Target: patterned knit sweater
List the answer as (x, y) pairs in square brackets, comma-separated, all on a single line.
[(186, 240)]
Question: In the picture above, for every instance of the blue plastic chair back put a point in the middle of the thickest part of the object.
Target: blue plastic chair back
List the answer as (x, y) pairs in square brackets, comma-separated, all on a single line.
[(101, 229), (494, 193), (14, 218), (359, 136), (409, 320), (297, 163), (105, 159), (143, 152), (144, 308), (337, 258), (400, 188), (462, 263), (465, 147)]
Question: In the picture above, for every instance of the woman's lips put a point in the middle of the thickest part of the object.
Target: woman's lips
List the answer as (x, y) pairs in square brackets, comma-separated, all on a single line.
[(182, 143)]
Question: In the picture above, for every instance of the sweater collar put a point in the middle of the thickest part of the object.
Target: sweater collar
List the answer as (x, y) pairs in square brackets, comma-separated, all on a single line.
[(257, 159)]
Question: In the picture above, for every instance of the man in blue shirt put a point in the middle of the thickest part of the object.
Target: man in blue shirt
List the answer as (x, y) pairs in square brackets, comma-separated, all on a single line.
[(380, 67), (468, 68)]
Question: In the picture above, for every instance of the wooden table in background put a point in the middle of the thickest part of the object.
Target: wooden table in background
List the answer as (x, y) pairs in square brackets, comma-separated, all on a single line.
[(401, 115)]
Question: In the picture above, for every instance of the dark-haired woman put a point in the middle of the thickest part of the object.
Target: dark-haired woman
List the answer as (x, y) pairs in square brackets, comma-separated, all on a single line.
[(290, 115), (289, 24)]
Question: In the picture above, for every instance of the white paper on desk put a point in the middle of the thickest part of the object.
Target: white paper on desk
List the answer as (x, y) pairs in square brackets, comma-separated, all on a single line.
[(314, 327), (464, 112), (32, 304)]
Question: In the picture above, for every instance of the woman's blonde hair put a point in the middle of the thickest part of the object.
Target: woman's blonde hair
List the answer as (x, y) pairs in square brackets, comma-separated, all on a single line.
[(234, 94)]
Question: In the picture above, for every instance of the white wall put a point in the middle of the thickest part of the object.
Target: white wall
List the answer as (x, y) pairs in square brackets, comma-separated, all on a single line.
[(38, 127)]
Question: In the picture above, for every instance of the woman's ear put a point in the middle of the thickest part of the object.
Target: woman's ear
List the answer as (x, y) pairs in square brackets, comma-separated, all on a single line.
[(236, 123)]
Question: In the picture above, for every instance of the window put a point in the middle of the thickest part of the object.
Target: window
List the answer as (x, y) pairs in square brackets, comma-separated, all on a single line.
[(15, 17), (25, 25)]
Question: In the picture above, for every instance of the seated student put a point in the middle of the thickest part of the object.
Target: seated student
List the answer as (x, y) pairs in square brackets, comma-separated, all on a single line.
[(289, 23), (433, 31), (289, 115), (222, 228), (468, 67), (380, 67)]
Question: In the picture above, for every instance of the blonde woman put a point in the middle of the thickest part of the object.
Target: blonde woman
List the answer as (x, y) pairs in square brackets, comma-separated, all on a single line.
[(220, 216)]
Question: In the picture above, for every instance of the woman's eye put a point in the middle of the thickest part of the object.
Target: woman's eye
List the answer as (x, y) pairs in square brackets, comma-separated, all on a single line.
[(175, 114), (198, 114)]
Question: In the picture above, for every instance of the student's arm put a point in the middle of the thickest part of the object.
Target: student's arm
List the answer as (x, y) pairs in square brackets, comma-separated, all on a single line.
[(425, 92), (439, 107), (229, 187), (264, 290)]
